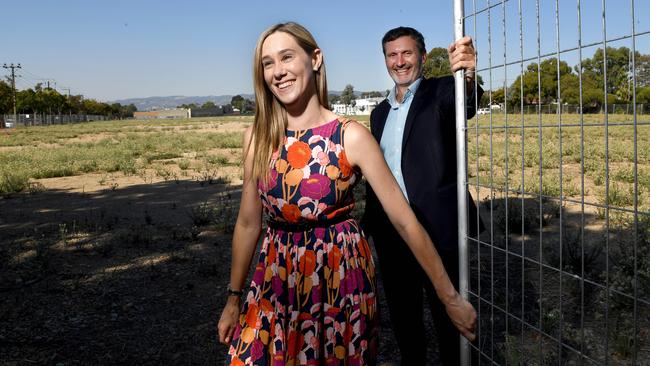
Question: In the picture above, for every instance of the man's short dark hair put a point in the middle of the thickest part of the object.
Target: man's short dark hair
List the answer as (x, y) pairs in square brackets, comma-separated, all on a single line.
[(398, 32)]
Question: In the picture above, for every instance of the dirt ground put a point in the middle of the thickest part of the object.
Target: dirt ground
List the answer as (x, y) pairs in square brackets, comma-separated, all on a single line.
[(122, 272)]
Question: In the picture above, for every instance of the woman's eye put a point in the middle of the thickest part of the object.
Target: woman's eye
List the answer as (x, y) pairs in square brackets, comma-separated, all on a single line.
[(287, 57)]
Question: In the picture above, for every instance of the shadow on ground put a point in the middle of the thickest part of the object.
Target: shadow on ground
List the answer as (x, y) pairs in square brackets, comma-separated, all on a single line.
[(134, 275)]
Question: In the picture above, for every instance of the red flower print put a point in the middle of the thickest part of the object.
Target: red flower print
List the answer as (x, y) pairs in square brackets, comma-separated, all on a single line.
[(266, 305), (291, 212), (236, 362), (295, 343), (252, 315), (298, 154), (315, 187), (334, 258)]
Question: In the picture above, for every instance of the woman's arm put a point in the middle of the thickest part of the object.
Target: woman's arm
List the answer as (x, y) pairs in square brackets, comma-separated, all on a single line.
[(245, 237), (363, 151)]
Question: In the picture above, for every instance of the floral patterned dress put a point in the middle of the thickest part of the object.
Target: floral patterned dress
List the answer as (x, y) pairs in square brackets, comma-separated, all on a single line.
[(312, 297)]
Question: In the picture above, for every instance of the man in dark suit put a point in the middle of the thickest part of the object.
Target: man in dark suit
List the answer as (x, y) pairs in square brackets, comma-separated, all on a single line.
[(415, 127)]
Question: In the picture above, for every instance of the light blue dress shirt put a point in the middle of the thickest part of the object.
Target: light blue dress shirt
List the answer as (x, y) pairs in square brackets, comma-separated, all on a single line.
[(391, 138)]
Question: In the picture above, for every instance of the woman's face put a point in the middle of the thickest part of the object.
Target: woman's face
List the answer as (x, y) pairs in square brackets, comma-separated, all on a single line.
[(288, 69)]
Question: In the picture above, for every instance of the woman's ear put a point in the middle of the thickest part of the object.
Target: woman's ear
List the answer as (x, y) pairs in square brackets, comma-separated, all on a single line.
[(316, 59)]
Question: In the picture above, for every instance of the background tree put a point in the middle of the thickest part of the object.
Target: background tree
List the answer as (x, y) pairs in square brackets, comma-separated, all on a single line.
[(208, 105), (549, 80), (618, 71), (498, 97), (642, 67), (437, 63), (188, 106), (371, 94), (6, 98), (347, 97), (238, 102)]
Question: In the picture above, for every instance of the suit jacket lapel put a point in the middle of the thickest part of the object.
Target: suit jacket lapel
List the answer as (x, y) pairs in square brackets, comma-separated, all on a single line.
[(414, 109)]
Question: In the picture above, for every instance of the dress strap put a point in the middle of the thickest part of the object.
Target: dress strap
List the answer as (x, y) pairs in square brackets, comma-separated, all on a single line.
[(344, 124)]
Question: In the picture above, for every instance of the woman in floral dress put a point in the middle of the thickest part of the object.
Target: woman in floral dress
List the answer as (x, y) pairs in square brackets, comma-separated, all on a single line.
[(312, 299)]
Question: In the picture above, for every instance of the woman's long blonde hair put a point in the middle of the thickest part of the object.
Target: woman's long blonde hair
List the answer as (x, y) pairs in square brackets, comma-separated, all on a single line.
[(270, 115)]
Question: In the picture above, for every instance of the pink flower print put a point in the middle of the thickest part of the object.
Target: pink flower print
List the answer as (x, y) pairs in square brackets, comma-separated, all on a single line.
[(258, 277), (323, 159), (316, 297), (325, 130), (316, 186), (237, 332), (270, 182), (277, 285), (275, 155), (332, 146), (257, 350), (319, 232)]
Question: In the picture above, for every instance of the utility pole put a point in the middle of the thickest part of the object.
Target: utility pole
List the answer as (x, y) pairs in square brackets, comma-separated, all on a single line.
[(13, 86)]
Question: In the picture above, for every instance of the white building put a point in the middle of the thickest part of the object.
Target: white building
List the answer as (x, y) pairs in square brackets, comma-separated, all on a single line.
[(361, 106)]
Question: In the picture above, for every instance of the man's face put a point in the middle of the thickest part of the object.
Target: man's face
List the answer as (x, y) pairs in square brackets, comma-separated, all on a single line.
[(403, 60)]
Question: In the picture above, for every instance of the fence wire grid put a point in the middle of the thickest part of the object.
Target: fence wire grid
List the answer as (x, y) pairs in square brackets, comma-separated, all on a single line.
[(561, 273)]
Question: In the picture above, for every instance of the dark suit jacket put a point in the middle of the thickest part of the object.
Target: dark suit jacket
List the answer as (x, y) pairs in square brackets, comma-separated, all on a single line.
[(428, 163)]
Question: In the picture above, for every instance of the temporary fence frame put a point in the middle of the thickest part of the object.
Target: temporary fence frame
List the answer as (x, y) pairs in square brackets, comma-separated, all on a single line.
[(532, 343)]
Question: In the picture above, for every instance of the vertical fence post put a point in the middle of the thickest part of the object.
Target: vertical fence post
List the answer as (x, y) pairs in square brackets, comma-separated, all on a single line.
[(461, 189)]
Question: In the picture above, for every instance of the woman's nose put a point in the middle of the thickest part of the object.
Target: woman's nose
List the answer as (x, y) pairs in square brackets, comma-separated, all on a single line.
[(279, 71)]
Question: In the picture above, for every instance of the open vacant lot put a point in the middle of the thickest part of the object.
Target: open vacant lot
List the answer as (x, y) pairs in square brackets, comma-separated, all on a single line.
[(115, 237)]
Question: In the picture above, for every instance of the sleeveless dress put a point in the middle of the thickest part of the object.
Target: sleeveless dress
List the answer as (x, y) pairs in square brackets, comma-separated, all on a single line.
[(312, 297)]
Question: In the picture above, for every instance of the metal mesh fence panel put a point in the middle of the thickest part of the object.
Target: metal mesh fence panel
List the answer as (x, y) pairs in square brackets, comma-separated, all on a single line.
[(558, 161)]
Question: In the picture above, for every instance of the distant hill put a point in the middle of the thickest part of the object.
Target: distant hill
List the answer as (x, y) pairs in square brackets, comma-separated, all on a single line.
[(153, 103)]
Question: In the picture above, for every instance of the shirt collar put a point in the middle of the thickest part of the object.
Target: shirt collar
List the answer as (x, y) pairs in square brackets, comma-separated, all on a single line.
[(410, 92)]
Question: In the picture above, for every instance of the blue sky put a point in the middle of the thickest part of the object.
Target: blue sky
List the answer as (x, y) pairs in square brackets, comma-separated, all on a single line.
[(119, 49)]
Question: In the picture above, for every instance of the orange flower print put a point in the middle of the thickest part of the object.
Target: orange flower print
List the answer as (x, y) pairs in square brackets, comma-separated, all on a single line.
[(364, 248), (298, 154), (334, 258), (291, 212), (293, 178), (281, 166), (307, 263), (332, 172), (344, 165)]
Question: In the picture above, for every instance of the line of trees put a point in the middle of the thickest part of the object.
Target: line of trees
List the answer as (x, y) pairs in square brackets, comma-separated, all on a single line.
[(244, 105), (619, 79), (44, 100)]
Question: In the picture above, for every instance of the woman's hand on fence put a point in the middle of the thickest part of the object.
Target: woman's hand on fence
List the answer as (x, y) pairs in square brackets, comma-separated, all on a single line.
[(228, 320), (463, 316)]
